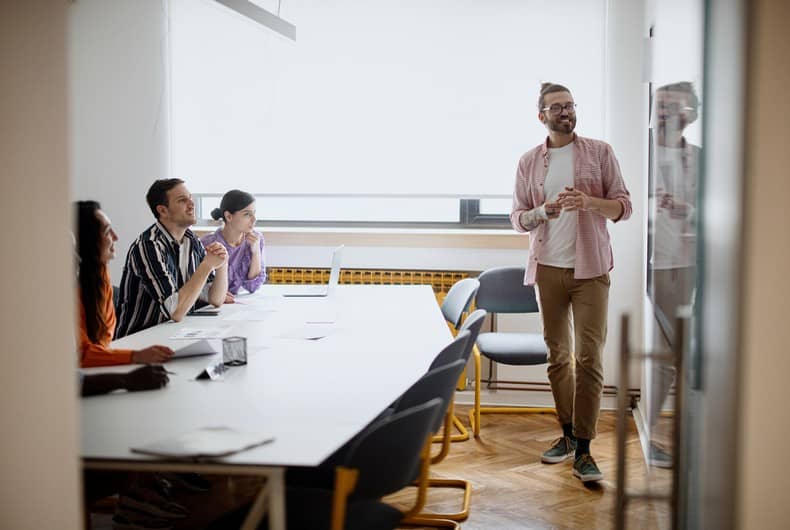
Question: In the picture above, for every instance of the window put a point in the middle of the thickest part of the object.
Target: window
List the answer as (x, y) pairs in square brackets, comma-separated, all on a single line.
[(404, 110)]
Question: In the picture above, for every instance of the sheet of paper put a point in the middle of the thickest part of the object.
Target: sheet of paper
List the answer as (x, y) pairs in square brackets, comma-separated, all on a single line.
[(201, 333), (201, 347)]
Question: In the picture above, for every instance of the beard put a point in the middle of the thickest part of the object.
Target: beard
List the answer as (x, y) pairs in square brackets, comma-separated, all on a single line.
[(562, 127)]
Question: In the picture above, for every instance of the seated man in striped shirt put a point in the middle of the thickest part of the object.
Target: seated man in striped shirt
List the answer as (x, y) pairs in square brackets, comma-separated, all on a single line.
[(168, 272)]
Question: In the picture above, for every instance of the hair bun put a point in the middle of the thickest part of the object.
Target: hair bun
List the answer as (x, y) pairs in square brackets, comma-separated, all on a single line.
[(216, 214)]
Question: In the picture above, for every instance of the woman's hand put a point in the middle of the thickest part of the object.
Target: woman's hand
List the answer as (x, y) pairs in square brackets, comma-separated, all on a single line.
[(152, 354), (254, 241)]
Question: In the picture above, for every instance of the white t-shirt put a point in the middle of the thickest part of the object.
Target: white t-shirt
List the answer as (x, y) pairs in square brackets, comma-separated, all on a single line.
[(559, 247), (674, 228)]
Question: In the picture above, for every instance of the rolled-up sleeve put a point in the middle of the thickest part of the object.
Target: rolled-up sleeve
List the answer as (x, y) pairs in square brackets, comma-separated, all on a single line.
[(614, 185)]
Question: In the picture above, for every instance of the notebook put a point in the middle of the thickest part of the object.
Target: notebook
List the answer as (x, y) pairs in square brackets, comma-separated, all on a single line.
[(205, 443), (318, 291)]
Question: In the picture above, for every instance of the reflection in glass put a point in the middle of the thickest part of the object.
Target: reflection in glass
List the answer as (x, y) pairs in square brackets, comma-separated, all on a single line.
[(672, 228)]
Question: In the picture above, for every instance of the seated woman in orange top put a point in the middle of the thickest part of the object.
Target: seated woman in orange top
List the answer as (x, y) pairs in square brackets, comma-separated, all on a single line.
[(95, 248)]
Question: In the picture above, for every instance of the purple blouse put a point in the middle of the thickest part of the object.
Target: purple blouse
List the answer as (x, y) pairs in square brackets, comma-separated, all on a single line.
[(239, 259)]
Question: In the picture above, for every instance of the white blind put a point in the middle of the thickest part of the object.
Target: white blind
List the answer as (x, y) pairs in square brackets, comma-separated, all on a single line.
[(411, 96)]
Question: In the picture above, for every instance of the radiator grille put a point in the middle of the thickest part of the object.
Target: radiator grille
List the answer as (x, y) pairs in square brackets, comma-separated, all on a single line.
[(441, 281)]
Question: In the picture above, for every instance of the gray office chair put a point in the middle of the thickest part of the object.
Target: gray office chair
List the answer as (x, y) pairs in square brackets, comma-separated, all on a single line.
[(502, 290), (454, 306), (457, 301)]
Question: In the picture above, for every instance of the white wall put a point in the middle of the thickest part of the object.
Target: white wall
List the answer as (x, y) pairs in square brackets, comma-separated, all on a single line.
[(121, 146), (40, 486), (118, 109)]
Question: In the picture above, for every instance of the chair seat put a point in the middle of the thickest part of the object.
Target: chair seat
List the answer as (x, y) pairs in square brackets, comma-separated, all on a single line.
[(513, 348)]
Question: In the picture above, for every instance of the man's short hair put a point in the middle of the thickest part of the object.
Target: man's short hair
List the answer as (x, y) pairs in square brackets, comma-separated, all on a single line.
[(157, 193), (549, 88), (687, 88)]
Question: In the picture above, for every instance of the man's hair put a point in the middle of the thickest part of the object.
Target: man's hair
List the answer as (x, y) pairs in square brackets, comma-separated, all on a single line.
[(157, 193), (549, 88), (687, 88)]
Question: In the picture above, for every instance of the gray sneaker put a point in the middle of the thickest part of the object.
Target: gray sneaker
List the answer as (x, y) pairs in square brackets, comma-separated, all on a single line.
[(561, 449), (585, 469), (659, 457)]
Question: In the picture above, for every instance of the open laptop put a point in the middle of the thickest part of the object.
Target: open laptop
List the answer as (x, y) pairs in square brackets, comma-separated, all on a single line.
[(320, 291)]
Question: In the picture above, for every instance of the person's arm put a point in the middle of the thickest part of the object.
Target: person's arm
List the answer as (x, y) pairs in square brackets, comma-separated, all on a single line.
[(190, 291), (217, 256), (148, 377), (614, 186), (525, 216), (616, 203), (256, 276), (572, 199), (98, 353)]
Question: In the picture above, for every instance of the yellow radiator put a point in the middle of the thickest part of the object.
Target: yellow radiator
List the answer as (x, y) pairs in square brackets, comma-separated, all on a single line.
[(441, 281)]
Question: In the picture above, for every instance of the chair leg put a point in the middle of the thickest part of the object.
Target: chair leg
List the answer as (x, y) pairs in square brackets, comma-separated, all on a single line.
[(464, 485), (474, 414), (462, 435), (477, 410), (345, 481), (435, 523)]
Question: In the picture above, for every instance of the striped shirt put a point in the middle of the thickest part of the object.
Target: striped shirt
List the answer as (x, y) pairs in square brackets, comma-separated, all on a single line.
[(152, 275), (595, 173)]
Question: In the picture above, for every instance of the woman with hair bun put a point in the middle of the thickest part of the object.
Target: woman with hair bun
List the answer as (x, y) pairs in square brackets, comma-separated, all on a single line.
[(245, 245)]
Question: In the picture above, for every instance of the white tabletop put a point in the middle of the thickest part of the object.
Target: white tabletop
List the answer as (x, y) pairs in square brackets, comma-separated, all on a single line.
[(311, 395)]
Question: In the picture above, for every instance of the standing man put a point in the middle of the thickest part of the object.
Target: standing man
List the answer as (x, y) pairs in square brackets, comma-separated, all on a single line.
[(566, 189), (168, 272)]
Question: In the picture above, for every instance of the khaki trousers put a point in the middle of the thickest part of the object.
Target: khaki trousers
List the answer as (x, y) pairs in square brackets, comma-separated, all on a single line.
[(577, 388)]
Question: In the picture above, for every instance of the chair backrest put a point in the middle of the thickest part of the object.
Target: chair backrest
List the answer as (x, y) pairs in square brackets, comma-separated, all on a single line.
[(437, 383), (453, 351), (502, 290), (387, 454), (458, 299), (115, 297), (473, 324)]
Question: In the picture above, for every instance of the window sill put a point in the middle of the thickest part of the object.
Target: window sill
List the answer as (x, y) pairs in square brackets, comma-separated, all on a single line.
[(491, 238)]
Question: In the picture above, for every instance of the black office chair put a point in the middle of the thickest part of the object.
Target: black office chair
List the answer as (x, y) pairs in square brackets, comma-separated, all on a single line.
[(436, 383), (502, 290), (384, 458)]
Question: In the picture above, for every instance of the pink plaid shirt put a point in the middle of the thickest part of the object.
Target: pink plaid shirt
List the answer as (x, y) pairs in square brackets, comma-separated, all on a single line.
[(596, 173)]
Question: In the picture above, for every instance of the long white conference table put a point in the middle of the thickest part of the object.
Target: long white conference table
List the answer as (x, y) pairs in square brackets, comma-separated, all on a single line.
[(312, 395)]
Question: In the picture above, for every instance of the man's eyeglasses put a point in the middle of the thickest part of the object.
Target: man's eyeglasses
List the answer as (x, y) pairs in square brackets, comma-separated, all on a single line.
[(557, 109), (674, 108)]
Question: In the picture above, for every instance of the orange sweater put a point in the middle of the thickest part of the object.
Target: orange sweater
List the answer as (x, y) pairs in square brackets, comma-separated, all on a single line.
[(99, 353)]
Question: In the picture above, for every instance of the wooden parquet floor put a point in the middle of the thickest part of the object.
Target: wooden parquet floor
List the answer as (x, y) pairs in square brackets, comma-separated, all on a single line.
[(512, 489)]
